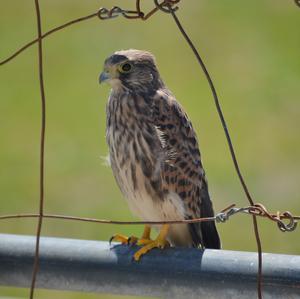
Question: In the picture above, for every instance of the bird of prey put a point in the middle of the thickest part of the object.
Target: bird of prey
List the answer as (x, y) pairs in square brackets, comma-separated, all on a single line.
[(154, 155)]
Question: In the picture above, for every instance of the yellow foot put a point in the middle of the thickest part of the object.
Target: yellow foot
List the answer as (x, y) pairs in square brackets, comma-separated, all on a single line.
[(158, 243), (144, 240), (132, 240)]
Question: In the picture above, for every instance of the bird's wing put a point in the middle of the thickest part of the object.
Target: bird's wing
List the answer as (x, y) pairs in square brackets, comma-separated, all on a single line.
[(182, 170)]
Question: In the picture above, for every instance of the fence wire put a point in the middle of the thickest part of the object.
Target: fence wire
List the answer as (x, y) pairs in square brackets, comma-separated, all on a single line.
[(255, 210)]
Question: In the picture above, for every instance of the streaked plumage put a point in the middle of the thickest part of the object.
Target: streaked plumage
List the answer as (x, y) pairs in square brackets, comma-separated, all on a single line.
[(154, 151)]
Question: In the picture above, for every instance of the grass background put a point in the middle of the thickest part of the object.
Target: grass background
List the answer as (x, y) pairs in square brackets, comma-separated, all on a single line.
[(252, 51)]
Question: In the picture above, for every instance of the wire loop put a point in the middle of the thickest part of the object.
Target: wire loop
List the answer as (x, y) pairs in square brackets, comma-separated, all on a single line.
[(290, 226), (260, 210), (224, 216), (167, 5), (116, 11)]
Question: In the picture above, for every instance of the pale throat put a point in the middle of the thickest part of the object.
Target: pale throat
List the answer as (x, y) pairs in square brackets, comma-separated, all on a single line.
[(116, 84)]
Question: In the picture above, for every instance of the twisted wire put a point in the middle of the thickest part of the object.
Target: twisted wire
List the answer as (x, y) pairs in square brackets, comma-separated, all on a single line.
[(258, 210)]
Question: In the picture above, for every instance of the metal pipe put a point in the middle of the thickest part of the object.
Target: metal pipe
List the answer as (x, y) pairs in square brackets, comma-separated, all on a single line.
[(94, 266)]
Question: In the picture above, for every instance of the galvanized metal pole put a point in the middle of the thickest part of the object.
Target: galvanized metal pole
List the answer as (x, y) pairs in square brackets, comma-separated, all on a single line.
[(94, 266)]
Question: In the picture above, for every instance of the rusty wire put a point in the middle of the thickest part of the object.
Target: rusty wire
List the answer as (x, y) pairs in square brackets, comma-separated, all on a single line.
[(29, 44), (256, 210), (42, 151), (102, 14), (229, 142), (260, 210)]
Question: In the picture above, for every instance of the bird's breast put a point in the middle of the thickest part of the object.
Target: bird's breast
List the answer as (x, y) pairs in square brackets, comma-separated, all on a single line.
[(136, 161)]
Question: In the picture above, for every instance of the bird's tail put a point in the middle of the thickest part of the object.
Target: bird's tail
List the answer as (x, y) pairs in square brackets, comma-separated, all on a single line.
[(205, 233), (210, 235)]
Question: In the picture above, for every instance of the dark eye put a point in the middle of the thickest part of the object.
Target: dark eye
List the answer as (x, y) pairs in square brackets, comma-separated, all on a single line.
[(126, 67)]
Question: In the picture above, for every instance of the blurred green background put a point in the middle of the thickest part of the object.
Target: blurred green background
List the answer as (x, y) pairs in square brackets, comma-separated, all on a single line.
[(252, 51)]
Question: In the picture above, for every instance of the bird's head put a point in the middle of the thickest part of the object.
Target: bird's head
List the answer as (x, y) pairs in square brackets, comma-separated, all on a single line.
[(132, 69)]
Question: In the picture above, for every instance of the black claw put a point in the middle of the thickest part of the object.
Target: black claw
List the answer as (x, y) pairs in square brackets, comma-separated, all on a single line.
[(110, 240), (131, 243)]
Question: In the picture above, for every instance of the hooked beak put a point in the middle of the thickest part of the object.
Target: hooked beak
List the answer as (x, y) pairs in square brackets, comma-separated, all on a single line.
[(104, 76)]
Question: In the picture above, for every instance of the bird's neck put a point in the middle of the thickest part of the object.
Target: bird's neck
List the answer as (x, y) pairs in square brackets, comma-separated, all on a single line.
[(145, 88)]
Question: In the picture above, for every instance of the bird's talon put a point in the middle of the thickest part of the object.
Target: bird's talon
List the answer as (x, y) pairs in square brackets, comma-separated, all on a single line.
[(119, 238), (132, 240), (158, 243)]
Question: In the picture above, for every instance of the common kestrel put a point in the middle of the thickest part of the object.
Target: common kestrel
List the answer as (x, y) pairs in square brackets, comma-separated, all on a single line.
[(154, 155)]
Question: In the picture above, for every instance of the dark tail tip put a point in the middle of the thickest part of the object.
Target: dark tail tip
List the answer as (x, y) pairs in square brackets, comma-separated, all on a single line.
[(210, 235)]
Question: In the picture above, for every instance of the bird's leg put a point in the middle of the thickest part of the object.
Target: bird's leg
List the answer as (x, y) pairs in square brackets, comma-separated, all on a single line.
[(132, 240), (159, 242), (145, 239)]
